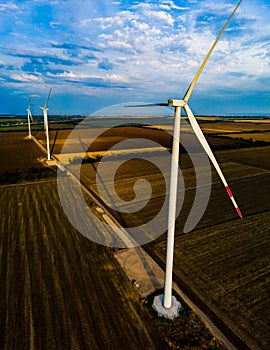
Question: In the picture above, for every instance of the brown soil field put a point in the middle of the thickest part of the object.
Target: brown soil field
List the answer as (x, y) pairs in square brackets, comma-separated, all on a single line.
[(233, 137), (228, 266), (257, 157), (61, 291), (219, 127), (107, 139), (225, 259), (17, 152), (58, 289), (260, 136), (248, 184)]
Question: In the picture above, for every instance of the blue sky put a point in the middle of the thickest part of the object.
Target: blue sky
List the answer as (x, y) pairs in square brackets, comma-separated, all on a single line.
[(95, 53)]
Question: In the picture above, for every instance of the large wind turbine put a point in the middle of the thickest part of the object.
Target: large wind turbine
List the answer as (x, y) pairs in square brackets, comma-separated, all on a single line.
[(29, 118), (178, 105), (46, 126)]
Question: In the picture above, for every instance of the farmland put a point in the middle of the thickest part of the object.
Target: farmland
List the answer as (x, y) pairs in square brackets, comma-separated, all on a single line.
[(228, 266), (17, 152), (224, 260), (58, 289)]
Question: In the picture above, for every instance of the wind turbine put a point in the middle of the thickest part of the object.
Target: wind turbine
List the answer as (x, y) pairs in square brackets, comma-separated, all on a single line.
[(178, 105), (29, 118), (46, 127)]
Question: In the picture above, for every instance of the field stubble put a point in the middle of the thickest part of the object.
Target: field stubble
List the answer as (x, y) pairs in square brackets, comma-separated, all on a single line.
[(225, 260), (58, 289)]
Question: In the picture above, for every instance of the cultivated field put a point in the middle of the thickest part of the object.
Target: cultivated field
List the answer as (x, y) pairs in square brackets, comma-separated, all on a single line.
[(58, 289), (255, 136), (17, 152), (228, 127), (224, 260), (228, 266)]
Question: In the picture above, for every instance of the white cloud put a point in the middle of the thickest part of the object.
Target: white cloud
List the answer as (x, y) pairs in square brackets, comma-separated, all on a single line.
[(141, 26), (117, 78), (165, 7), (155, 46), (8, 7), (161, 16), (119, 45), (169, 5), (75, 76), (26, 77)]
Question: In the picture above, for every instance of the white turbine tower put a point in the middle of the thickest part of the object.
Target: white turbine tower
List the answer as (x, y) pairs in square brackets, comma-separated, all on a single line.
[(167, 309), (178, 104), (29, 118), (46, 126)]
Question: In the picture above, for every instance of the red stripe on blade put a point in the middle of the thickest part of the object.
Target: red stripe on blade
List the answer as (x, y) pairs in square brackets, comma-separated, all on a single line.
[(229, 191), (239, 213)]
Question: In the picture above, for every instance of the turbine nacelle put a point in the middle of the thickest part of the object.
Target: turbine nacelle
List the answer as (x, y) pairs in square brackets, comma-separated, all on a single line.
[(42, 108), (176, 103), (171, 103)]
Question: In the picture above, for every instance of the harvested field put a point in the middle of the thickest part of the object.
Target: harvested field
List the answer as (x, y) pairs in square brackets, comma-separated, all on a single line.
[(17, 152), (58, 289), (62, 291), (257, 157), (227, 127), (247, 182), (255, 136), (80, 140), (228, 266), (224, 260)]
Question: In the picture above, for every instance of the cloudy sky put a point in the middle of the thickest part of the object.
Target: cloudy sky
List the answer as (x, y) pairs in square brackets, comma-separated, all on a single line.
[(95, 53)]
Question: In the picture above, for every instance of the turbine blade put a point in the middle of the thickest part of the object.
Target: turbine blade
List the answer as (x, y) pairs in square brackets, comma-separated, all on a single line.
[(195, 79), (37, 106), (210, 154), (150, 105), (31, 117), (29, 103), (47, 101)]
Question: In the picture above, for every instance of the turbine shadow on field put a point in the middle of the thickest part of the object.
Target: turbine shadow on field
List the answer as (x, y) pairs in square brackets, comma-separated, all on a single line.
[(87, 149), (54, 141)]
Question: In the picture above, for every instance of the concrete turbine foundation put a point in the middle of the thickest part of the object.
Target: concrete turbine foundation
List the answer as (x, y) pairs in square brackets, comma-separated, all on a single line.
[(162, 311)]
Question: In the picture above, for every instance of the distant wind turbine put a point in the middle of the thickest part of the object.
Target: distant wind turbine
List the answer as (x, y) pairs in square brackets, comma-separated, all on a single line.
[(46, 127), (29, 118), (178, 104)]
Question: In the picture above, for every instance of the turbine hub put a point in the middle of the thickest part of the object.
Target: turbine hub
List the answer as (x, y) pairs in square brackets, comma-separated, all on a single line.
[(176, 103)]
